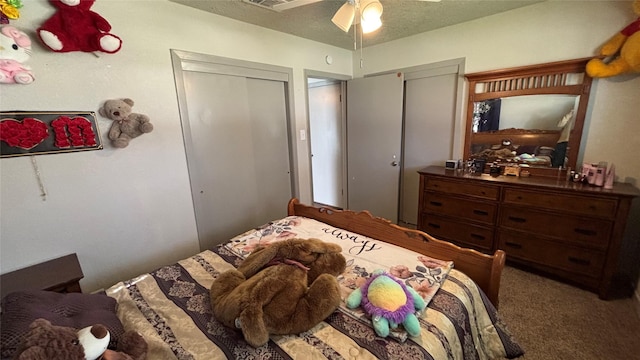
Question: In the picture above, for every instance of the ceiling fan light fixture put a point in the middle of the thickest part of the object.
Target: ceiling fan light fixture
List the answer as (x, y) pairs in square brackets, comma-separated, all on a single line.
[(343, 18), (370, 10), (370, 25)]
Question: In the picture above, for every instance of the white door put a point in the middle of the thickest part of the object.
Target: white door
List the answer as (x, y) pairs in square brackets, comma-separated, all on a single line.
[(235, 130), (429, 120), (325, 124), (374, 144)]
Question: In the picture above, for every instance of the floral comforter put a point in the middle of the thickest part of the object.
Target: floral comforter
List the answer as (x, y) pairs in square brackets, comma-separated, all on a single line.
[(170, 306)]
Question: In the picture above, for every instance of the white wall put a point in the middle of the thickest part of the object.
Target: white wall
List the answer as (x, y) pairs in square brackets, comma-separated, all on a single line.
[(127, 211)]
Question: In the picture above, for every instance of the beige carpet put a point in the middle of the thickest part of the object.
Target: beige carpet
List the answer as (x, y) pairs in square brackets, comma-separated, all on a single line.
[(552, 320)]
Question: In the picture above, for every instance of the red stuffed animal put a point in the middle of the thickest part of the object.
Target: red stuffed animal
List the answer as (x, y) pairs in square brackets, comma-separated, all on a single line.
[(74, 27)]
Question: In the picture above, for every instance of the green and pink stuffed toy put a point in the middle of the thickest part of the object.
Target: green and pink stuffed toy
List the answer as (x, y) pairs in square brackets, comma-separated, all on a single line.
[(389, 302)]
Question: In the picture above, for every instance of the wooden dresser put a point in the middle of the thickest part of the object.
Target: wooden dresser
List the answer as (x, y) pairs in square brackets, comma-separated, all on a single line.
[(571, 231)]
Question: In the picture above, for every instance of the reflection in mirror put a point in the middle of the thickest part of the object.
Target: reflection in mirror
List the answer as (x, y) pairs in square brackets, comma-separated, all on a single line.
[(536, 112), (529, 116)]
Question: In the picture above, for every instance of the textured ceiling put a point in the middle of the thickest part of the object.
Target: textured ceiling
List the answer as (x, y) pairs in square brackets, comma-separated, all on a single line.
[(401, 18)]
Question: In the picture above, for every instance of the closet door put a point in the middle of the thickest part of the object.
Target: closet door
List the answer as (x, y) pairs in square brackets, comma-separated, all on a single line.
[(430, 107), (374, 144), (237, 151)]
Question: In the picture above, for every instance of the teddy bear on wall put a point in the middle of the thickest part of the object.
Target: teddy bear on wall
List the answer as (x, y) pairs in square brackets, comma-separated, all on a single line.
[(74, 27), (285, 288), (626, 44), (15, 50), (126, 124), (45, 341)]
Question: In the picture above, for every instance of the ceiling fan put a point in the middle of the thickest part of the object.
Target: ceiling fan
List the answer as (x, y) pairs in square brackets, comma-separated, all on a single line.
[(364, 12)]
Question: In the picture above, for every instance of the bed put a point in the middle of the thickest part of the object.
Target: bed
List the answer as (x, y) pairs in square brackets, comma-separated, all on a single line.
[(170, 306), (515, 146)]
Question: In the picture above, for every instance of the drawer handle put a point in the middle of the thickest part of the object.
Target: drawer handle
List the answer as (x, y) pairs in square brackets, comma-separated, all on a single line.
[(477, 237), (435, 203), (579, 261), (436, 226), (585, 231), (513, 245), (481, 212), (517, 219)]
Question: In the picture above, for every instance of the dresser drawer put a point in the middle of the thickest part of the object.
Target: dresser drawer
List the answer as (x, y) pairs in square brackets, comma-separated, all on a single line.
[(459, 188), (457, 231), (574, 204), (468, 209), (582, 231), (552, 254)]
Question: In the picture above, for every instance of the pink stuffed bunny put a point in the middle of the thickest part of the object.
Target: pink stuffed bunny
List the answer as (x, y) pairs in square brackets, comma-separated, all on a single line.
[(15, 49)]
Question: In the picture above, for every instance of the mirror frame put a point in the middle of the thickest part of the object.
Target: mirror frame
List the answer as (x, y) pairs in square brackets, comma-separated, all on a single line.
[(562, 77)]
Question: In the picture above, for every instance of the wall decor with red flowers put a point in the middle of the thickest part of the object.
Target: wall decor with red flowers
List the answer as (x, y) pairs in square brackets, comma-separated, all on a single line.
[(33, 133)]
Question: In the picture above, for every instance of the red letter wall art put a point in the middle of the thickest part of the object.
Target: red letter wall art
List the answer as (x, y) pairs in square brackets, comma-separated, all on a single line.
[(32, 133)]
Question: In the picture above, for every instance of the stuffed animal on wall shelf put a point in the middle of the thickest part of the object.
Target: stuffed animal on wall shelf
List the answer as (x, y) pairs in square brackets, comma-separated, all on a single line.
[(15, 50), (74, 27), (47, 341), (389, 302), (624, 46), (126, 124), (285, 288)]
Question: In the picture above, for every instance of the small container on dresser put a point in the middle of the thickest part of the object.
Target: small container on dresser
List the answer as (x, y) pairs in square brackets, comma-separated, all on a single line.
[(571, 231)]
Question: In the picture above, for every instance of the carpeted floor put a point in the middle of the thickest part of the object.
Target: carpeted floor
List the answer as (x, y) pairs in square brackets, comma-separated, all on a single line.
[(552, 320)]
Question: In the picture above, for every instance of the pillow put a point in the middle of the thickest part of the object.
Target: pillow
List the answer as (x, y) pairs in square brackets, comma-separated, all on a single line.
[(76, 310)]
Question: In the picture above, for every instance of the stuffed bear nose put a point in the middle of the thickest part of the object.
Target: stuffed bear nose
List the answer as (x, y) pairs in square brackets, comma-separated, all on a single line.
[(116, 113), (99, 331)]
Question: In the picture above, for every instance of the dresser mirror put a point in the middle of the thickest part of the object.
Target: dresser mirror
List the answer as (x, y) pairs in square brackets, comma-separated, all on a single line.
[(531, 115)]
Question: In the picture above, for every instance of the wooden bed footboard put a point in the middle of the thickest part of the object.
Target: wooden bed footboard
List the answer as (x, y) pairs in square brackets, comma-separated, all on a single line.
[(484, 269)]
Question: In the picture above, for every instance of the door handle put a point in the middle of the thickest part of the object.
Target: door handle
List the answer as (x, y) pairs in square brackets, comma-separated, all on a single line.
[(394, 163)]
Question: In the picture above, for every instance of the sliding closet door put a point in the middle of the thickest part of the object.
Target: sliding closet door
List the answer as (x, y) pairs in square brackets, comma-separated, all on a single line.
[(237, 150), (430, 108), (374, 144)]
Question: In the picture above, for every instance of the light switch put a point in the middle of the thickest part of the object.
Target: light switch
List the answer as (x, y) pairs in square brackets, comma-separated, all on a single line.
[(303, 135)]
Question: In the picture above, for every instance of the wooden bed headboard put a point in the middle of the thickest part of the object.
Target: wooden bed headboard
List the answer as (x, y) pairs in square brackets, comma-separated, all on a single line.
[(485, 270), (518, 137)]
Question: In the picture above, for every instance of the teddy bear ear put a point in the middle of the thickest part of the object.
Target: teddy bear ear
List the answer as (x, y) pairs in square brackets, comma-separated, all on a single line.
[(258, 259), (320, 247), (40, 322), (128, 101)]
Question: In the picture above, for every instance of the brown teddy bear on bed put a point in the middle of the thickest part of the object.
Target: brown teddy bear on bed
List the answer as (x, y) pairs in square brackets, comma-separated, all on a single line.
[(285, 288), (45, 341)]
